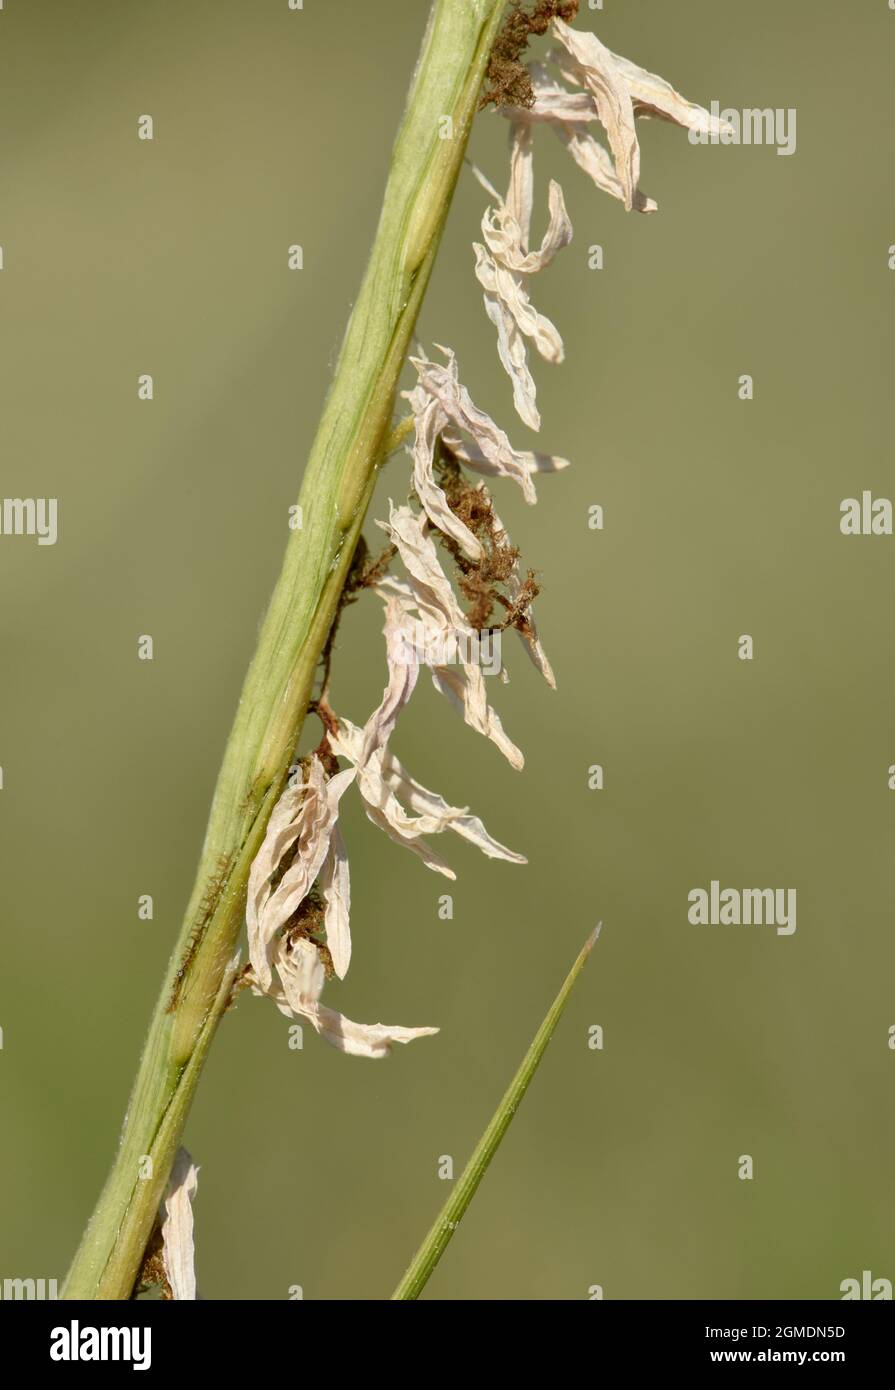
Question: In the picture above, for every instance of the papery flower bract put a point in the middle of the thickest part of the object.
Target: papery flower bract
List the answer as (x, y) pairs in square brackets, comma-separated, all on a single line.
[(505, 262), (567, 114), (430, 586), (464, 686), (443, 383), (597, 71), (384, 810), (178, 1246), (335, 885), (430, 418), (402, 676), (650, 94), (304, 816), (302, 976), (620, 90), (616, 91), (507, 240), (364, 752), (407, 533), (385, 777), (455, 818), (473, 457)]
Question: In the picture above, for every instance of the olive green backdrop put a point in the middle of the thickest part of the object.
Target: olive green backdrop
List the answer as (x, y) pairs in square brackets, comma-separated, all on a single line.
[(123, 257)]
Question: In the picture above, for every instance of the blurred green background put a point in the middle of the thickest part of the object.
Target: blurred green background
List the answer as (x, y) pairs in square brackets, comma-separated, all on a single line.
[(122, 257)]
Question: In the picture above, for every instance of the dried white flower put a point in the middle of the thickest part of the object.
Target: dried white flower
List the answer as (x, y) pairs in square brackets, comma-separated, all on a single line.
[(335, 885), (596, 70), (473, 457), (504, 264), (430, 590), (386, 777), (464, 686), (554, 104), (430, 418), (304, 817), (403, 670), (615, 92), (507, 241), (381, 805), (650, 94), (465, 690), (302, 975), (424, 622), (430, 586), (510, 341), (521, 192), (178, 1248), (443, 383)]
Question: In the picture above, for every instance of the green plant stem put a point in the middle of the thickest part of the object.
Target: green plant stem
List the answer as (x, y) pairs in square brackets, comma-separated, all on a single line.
[(337, 487), (402, 431), (448, 1219)]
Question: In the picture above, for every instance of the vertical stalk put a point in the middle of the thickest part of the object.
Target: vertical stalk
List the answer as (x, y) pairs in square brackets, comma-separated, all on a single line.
[(338, 483)]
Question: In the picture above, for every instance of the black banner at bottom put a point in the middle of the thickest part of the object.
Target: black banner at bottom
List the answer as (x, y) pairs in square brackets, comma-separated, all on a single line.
[(91, 1338)]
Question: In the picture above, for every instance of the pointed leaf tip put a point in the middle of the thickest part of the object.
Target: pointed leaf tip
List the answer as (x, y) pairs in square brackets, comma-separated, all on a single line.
[(592, 939)]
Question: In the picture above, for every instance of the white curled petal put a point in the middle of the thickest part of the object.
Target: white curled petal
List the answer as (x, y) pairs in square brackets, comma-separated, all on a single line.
[(384, 810), (503, 236), (382, 807), (291, 816), (513, 357), (567, 114), (282, 831), (501, 233), (178, 1245), (390, 586), (443, 382), (311, 828), (429, 419), (347, 740), (511, 293), (284, 827), (438, 606), (298, 879), (652, 95), (431, 807), (465, 690), (559, 228), (529, 321), (362, 1039), (455, 818), (557, 104), (504, 263), (532, 644), (520, 194), (335, 885), (600, 75), (593, 159), (402, 675), (473, 458), (431, 587), (302, 974)]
